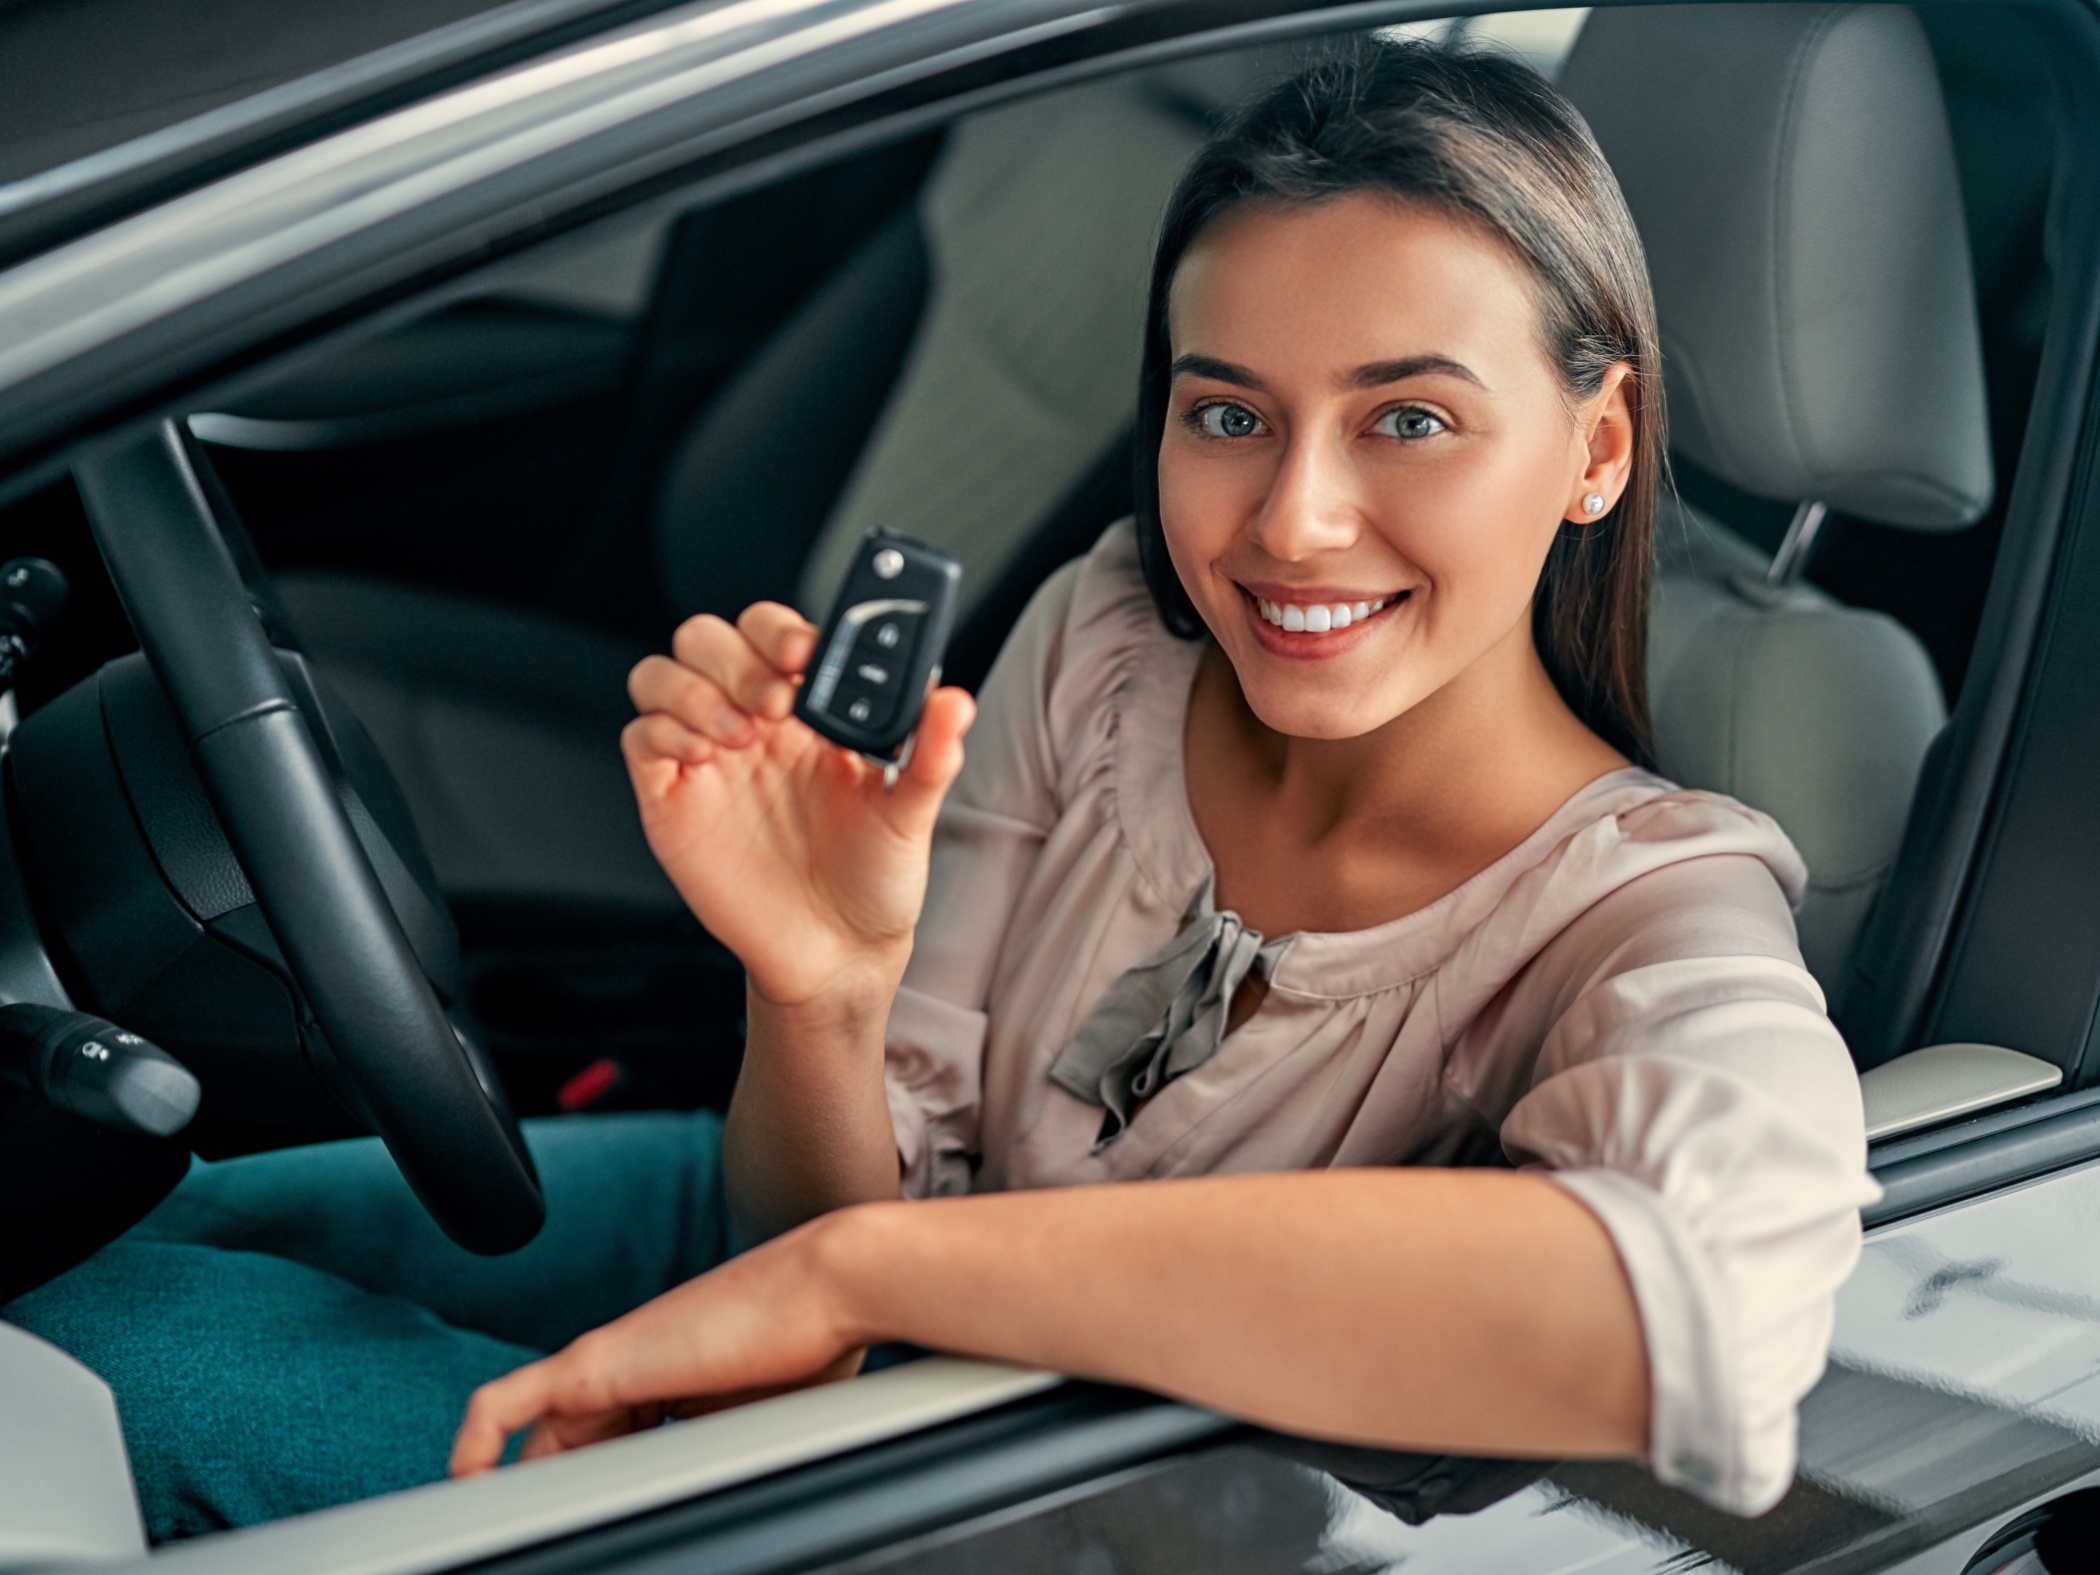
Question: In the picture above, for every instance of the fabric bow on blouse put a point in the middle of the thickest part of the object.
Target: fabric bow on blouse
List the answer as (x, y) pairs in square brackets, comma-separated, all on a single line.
[(1164, 1017)]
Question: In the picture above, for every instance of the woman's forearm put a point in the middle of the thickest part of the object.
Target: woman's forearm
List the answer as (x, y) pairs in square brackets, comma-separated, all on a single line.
[(809, 1126), (1463, 1311)]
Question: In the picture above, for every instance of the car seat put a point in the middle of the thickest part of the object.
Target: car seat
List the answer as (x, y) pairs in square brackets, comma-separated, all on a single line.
[(1792, 174), (965, 370)]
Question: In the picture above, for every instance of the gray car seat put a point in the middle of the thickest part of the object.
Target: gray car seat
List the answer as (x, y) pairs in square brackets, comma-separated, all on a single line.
[(1041, 219), (1793, 177), (1011, 296)]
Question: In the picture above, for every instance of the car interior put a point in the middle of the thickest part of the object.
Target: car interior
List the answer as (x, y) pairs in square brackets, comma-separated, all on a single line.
[(474, 520)]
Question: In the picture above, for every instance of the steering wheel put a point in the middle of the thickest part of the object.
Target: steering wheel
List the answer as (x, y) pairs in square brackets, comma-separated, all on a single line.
[(453, 1137)]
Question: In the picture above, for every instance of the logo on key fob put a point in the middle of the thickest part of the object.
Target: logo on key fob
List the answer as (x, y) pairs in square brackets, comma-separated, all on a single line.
[(879, 654)]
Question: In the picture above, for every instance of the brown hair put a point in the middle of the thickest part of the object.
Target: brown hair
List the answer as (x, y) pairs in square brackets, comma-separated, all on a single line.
[(1484, 138)]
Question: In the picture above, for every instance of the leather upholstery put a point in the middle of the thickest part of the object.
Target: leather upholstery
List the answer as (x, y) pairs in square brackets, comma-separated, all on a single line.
[(1817, 713), (1040, 220), (1792, 174), (1793, 177)]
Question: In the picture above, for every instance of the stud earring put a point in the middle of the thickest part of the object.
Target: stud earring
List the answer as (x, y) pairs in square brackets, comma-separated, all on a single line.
[(1593, 504)]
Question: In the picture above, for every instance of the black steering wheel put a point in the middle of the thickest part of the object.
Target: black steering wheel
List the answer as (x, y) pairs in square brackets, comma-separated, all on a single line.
[(451, 1134)]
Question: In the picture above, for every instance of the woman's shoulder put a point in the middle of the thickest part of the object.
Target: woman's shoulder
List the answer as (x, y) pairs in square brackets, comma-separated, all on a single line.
[(1106, 604), (1633, 868), (1091, 629), (1643, 822), (1610, 834)]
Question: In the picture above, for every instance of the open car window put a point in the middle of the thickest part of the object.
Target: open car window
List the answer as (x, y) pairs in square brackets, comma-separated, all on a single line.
[(481, 494)]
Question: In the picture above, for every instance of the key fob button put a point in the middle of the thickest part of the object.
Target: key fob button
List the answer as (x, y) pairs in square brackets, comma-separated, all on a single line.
[(873, 674), (860, 710), (887, 635)]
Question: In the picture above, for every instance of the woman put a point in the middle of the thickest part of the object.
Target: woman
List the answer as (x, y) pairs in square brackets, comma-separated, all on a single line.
[(1301, 857)]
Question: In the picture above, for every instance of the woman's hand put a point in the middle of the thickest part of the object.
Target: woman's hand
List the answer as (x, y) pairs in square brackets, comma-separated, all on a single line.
[(760, 1325), (788, 848)]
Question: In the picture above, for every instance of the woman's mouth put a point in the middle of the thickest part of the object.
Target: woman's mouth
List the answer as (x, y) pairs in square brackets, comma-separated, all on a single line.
[(1316, 617)]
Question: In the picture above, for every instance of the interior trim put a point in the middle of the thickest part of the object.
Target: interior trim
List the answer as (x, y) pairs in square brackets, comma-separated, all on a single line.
[(1955, 1163), (271, 434), (1941, 1082), (449, 1524)]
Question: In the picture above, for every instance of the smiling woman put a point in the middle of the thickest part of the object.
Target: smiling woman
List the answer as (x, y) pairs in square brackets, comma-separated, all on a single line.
[(1298, 839)]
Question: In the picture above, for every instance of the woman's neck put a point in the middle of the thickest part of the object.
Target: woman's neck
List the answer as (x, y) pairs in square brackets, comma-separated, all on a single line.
[(1343, 834)]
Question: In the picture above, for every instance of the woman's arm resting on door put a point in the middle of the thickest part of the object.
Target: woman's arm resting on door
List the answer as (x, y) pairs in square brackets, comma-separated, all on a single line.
[(1466, 1311)]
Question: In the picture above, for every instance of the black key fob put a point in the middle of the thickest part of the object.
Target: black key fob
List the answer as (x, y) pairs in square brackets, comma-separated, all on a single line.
[(879, 654)]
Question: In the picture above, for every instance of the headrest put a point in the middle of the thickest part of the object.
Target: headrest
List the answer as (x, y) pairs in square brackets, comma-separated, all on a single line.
[(1793, 178)]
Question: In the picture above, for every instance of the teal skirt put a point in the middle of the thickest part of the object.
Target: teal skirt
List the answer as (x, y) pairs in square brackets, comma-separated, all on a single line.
[(290, 1330)]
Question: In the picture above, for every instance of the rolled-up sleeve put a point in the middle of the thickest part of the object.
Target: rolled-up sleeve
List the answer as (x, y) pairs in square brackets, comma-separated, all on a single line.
[(991, 829), (1694, 1095)]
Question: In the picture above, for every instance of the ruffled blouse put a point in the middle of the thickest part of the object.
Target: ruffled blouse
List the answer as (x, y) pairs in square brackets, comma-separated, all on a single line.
[(1618, 1002)]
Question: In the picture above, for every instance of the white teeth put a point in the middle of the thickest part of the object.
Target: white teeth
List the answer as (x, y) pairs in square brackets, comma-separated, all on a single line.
[(1316, 620)]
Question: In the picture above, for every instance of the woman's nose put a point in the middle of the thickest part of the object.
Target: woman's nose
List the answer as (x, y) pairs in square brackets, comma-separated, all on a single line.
[(1313, 504)]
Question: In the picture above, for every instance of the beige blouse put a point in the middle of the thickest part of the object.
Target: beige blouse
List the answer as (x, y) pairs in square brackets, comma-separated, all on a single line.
[(1618, 1001)]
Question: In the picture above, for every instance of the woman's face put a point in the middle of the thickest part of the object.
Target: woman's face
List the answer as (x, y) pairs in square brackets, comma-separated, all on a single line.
[(1367, 454)]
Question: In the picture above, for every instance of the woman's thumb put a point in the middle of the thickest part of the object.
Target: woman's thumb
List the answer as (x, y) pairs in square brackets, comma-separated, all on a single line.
[(937, 748)]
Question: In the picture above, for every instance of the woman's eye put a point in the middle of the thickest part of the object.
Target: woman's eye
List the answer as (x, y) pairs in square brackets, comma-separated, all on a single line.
[(1228, 421), (1409, 423)]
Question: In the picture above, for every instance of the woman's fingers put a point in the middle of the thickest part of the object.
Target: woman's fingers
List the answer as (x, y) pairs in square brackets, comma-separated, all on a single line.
[(781, 635), (937, 750), (725, 655), (498, 1410), (659, 737), (697, 702), (554, 1435), (573, 1396)]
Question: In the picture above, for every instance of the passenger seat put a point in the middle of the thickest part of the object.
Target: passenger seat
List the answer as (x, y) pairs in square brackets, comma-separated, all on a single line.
[(1792, 174)]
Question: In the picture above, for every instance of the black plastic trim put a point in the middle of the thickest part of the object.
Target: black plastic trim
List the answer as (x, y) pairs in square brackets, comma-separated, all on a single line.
[(27, 972), (280, 435), (1895, 999), (880, 1495)]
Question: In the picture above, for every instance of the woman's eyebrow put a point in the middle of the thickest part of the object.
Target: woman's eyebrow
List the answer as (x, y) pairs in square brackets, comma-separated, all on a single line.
[(1216, 370), (1378, 373), (1375, 374)]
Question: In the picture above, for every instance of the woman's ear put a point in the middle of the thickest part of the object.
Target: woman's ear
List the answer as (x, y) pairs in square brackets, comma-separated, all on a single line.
[(1607, 437)]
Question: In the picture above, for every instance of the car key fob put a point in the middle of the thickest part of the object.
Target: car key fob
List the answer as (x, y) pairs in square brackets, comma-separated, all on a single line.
[(879, 654)]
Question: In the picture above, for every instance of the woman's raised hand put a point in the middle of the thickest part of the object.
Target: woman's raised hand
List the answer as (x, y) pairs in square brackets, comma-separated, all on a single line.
[(791, 850)]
